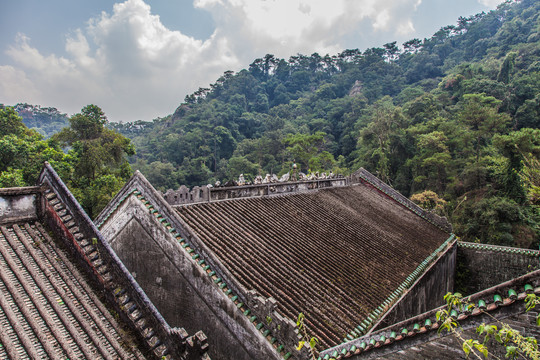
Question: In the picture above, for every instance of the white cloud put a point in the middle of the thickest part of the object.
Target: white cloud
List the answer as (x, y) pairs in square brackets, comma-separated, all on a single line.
[(14, 85), (127, 62), (287, 27), (134, 67), (406, 28), (490, 3)]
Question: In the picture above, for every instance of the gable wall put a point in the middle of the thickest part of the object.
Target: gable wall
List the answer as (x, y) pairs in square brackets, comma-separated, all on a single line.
[(482, 266), (183, 293)]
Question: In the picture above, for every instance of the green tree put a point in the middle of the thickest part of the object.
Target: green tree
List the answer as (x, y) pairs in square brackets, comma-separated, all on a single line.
[(304, 147), (429, 200), (11, 178), (507, 67), (10, 122), (381, 142), (431, 164), (519, 147), (480, 115), (23, 152), (99, 158), (240, 165)]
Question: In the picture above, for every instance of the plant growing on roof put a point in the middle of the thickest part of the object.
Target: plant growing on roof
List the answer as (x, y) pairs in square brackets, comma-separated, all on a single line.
[(516, 345), (306, 340)]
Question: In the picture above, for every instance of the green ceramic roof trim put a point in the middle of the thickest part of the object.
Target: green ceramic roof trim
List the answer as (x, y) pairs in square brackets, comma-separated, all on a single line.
[(411, 279), (212, 274), (429, 324), (511, 250)]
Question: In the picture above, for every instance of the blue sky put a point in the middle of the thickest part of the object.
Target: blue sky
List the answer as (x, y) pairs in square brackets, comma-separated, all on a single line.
[(137, 59)]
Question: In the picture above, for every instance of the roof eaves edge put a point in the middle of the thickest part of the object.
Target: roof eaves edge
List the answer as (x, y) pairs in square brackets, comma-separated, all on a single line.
[(417, 324)]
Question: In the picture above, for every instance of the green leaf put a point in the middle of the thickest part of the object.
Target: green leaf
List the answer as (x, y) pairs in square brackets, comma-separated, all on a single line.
[(467, 347), (300, 321), (482, 349), (511, 352), (480, 329)]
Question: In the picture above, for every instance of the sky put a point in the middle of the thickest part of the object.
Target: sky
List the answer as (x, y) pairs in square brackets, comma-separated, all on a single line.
[(138, 59)]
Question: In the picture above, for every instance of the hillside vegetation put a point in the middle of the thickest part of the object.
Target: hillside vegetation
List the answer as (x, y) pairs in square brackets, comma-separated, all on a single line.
[(45, 120), (451, 120)]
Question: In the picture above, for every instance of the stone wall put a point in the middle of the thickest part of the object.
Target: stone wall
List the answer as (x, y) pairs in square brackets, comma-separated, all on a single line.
[(203, 193), (427, 292), (18, 204), (481, 266)]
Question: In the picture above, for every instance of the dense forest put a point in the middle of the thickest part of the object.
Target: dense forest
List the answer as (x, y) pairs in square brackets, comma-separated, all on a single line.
[(45, 120), (452, 121), (90, 158)]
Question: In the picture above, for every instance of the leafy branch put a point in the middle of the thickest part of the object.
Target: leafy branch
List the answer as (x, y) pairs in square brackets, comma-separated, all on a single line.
[(306, 340), (516, 345)]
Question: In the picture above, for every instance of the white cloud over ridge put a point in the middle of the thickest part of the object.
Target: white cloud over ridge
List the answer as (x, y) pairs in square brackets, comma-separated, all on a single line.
[(490, 3), (132, 66)]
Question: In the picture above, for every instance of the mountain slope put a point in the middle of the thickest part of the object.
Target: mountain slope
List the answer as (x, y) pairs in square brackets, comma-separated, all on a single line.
[(456, 115)]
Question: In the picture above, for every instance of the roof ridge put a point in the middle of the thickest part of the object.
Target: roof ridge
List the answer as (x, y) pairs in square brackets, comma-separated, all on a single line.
[(204, 194), (498, 248), (63, 212), (439, 221)]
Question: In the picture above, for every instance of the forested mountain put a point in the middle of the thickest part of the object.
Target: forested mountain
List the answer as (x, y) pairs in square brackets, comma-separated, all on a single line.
[(45, 120), (452, 120)]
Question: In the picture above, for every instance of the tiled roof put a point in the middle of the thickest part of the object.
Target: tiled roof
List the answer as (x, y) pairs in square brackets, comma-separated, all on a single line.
[(335, 255), (64, 216), (419, 336), (47, 309)]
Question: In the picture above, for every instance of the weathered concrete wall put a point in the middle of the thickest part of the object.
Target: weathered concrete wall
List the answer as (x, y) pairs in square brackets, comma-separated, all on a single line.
[(427, 293), (18, 204), (200, 194), (184, 294), (481, 266)]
